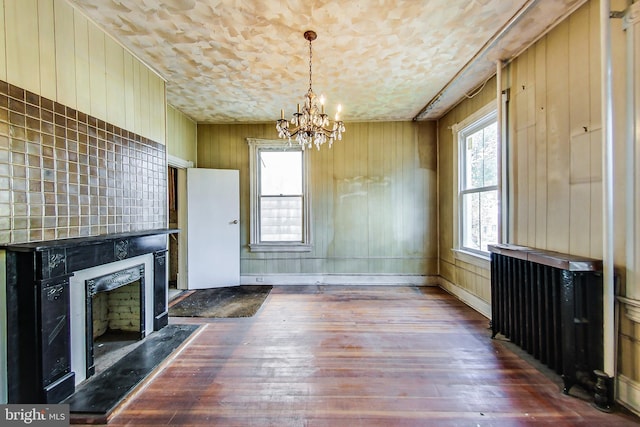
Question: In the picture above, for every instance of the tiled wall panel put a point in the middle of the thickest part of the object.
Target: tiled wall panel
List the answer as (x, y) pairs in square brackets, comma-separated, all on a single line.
[(64, 173)]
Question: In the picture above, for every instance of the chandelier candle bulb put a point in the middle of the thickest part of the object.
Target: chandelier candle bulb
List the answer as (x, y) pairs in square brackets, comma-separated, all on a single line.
[(282, 114)]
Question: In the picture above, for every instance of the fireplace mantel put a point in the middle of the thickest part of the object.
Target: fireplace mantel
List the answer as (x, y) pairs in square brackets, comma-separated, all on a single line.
[(38, 331)]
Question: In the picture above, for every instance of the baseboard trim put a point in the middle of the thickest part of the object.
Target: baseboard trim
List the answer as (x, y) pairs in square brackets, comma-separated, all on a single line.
[(338, 279), (628, 393), (466, 297)]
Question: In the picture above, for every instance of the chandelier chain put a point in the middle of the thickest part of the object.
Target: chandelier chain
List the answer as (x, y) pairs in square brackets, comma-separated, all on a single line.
[(310, 56)]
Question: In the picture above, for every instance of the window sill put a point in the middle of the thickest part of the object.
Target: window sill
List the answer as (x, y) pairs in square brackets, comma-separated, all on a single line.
[(280, 247), (479, 260)]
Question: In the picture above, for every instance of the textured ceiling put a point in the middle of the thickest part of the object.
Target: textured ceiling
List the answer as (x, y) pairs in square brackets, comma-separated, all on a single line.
[(231, 61)]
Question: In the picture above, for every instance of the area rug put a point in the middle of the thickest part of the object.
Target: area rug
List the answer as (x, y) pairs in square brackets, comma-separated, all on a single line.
[(236, 301)]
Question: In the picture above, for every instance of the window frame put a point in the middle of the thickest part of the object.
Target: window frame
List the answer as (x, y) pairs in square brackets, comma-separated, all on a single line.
[(256, 146), (477, 121)]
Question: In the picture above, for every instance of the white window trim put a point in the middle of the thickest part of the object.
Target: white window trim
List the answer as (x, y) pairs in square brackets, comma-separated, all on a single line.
[(255, 145), (461, 253)]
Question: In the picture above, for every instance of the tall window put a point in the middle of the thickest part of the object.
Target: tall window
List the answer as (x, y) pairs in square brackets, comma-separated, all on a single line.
[(478, 184), (279, 197)]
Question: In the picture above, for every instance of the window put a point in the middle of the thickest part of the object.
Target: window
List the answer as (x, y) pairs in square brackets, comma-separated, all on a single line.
[(478, 184), (279, 197)]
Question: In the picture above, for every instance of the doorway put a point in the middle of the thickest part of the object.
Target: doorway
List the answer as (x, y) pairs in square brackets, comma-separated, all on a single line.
[(177, 218), (174, 244)]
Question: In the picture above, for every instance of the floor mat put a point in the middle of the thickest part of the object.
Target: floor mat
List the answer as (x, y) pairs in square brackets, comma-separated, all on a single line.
[(235, 301)]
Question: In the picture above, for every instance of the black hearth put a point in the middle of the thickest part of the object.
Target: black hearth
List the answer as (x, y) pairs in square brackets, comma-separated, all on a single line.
[(38, 305)]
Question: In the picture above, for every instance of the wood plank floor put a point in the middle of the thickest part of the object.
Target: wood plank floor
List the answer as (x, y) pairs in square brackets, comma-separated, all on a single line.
[(355, 356)]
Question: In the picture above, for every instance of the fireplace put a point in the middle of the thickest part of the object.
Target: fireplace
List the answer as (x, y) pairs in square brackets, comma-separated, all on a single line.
[(51, 298)]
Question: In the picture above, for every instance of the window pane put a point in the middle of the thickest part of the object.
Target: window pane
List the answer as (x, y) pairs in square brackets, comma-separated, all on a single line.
[(471, 221), (480, 220), (280, 173), (480, 158), (281, 219), (490, 155), (488, 219)]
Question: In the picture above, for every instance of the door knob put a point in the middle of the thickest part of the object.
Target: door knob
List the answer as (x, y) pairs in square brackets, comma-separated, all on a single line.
[(235, 221)]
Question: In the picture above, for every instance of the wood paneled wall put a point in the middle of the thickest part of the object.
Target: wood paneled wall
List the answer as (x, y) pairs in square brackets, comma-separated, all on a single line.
[(373, 198), (464, 277), (181, 135), (557, 139), (555, 161), (51, 49)]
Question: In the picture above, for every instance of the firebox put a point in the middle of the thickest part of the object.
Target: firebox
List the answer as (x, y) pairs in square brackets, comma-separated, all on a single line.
[(115, 307)]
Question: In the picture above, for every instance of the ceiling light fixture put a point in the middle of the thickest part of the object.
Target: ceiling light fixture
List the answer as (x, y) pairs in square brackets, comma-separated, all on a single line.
[(311, 124)]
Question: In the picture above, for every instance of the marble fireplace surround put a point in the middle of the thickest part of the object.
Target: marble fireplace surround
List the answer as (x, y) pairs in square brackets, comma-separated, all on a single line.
[(41, 290)]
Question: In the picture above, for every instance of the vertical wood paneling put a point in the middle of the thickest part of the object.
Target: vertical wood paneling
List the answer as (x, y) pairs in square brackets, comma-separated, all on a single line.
[(337, 248), (595, 78), (46, 48), (144, 124), (446, 191), (114, 76), (224, 150), (579, 122), (558, 135), (359, 177), (595, 118), (82, 70), (360, 200), (137, 97), (530, 112), (522, 210), (23, 59), (181, 135), (3, 46), (157, 115), (531, 181), (129, 91), (556, 168), (203, 145), (541, 144), (374, 188), (66, 76), (97, 68), (595, 196)]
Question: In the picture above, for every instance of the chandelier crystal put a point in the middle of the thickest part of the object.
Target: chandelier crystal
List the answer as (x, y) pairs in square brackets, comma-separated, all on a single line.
[(310, 125)]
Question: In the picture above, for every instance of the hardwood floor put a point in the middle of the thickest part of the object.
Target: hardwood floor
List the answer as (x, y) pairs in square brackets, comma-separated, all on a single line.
[(355, 356)]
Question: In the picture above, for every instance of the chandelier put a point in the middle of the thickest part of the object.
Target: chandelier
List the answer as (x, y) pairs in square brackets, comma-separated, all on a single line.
[(310, 125)]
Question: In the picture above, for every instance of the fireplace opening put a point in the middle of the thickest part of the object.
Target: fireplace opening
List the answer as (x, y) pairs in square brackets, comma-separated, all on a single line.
[(114, 317)]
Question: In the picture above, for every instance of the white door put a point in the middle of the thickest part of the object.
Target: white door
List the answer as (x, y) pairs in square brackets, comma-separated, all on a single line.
[(213, 228)]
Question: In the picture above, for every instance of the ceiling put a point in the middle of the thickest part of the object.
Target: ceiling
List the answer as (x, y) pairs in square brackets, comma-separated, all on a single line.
[(241, 61)]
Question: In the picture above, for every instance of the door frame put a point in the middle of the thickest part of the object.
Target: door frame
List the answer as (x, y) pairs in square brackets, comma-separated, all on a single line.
[(181, 165)]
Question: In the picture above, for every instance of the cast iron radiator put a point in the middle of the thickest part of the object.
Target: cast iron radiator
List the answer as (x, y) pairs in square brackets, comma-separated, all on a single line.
[(550, 305)]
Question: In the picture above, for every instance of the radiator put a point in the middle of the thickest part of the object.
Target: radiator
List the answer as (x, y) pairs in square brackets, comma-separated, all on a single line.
[(550, 305)]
